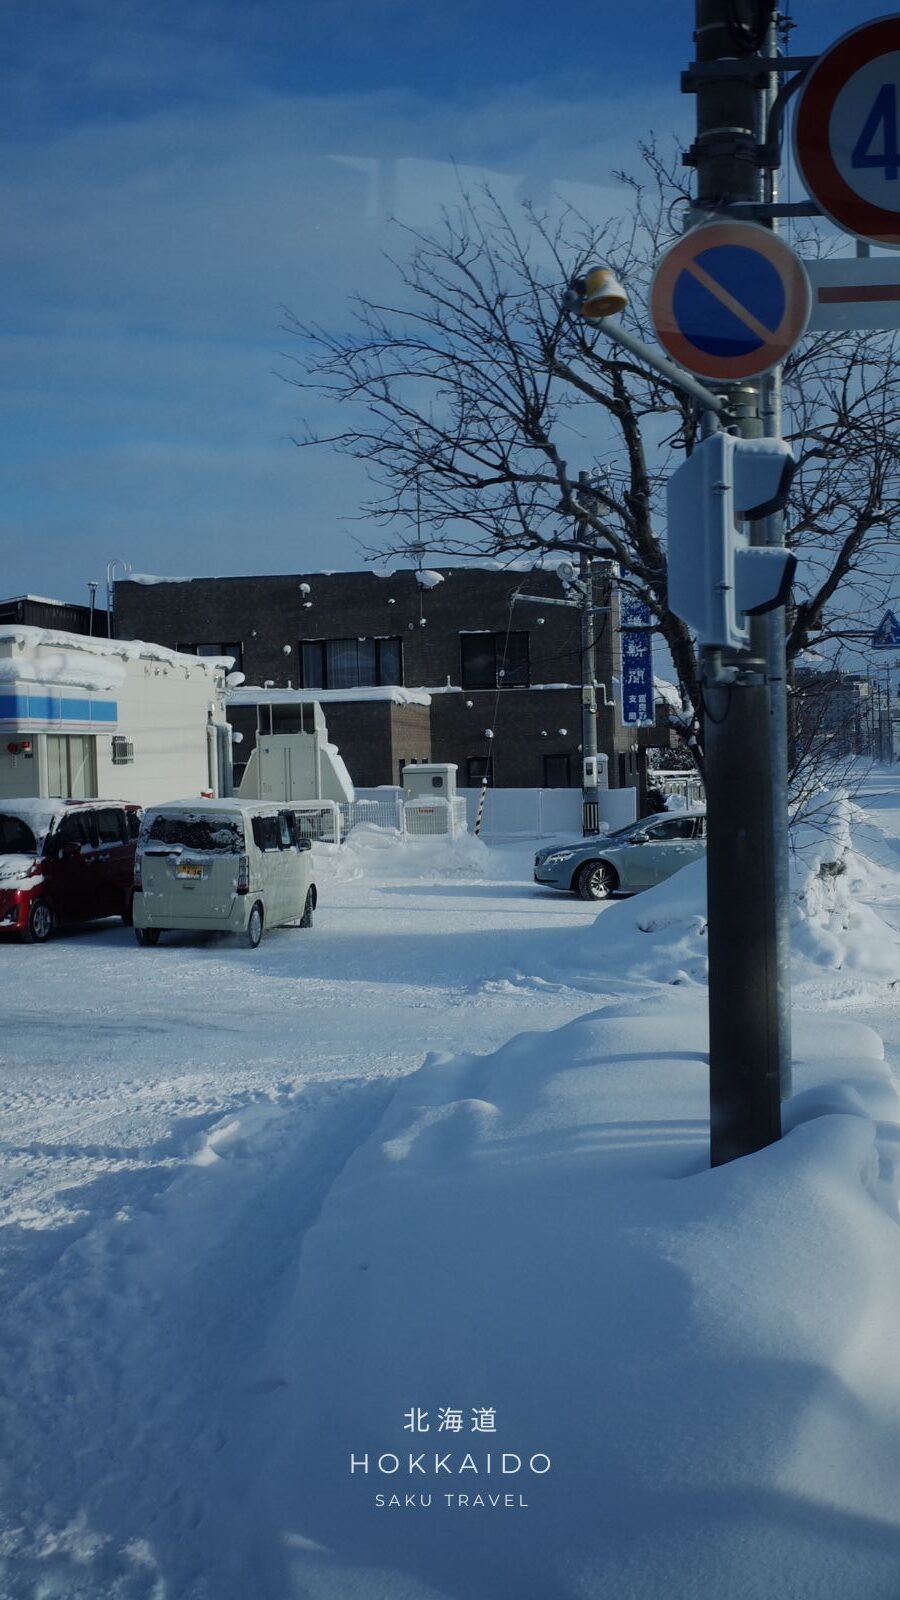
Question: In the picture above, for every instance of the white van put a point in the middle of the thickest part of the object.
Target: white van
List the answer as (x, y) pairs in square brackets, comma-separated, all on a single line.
[(221, 866)]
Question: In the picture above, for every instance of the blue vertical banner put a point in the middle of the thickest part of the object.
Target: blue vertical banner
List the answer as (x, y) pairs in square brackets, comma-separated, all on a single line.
[(637, 662)]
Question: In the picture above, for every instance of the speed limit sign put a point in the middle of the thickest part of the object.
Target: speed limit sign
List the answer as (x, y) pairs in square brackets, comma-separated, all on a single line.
[(847, 132)]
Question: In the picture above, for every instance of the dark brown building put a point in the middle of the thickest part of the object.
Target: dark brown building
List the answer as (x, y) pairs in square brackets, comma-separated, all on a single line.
[(33, 611), (455, 664)]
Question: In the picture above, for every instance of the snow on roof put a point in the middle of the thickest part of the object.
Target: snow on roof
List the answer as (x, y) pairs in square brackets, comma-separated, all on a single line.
[(252, 695), (124, 649), (667, 692), (41, 600), (150, 577), (64, 667), (428, 580)]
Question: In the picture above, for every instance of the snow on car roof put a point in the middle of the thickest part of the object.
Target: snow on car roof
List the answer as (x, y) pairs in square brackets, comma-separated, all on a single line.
[(226, 806), (40, 815), (40, 812)]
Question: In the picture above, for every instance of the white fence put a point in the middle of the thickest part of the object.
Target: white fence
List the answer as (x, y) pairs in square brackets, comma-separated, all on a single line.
[(329, 822), (686, 785), (509, 813), (541, 813)]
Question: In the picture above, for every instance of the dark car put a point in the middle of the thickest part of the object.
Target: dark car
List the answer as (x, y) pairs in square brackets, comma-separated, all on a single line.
[(65, 861)]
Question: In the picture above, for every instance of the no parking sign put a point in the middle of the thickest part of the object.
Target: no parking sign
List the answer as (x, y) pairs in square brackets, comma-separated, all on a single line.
[(730, 300)]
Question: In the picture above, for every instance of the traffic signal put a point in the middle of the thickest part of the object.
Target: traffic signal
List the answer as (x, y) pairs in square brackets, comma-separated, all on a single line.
[(716, 579)]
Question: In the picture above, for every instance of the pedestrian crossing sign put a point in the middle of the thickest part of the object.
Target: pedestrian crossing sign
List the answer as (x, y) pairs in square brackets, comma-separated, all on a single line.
[(887, 634)]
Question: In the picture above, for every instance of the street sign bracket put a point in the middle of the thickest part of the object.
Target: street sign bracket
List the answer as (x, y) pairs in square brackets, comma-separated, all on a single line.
[(760, 210), (767, 154), (751, 68)]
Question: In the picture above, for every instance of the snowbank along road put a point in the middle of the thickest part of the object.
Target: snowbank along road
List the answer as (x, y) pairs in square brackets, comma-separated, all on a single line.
[(242, 1229)]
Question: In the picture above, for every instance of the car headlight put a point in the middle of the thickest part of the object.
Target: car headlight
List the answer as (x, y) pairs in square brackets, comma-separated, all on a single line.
[(558, 857)]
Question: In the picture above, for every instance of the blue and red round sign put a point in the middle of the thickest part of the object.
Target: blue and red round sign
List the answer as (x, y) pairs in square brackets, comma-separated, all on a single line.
[(729, 301), (847, 132)]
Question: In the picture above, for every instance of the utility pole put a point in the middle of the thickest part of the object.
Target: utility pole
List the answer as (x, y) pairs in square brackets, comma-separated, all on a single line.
[(748, 962), (590, 808)]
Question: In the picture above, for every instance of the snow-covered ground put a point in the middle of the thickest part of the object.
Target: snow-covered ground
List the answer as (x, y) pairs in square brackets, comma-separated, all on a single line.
[(246, 1232)]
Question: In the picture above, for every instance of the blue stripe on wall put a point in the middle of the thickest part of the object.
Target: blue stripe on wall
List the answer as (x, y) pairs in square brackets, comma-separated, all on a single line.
[(51, 708)]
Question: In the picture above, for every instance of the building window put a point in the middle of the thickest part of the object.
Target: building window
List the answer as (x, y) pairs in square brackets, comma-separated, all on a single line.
[(477, 769), (71, 766), (350, 663), (235, 649), (557, 772), (494, 660)]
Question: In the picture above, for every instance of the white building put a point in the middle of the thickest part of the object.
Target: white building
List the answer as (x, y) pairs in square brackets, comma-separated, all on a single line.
[(112, 718)]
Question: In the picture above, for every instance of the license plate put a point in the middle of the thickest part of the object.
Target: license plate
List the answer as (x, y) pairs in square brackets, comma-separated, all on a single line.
[(189, 869)]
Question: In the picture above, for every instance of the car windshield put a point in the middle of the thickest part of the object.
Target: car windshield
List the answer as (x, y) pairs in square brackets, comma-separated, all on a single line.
[(16, 838), (189, 830), (641, 826), (656, 826)]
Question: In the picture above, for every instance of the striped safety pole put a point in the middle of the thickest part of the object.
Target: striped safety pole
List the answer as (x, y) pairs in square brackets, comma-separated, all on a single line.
[(480, 812)]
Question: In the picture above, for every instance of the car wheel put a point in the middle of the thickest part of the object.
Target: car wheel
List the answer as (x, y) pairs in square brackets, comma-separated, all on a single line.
[(147, 936), (254, 929), (128, 912), (40, 923), (306, 919), (596, 881)]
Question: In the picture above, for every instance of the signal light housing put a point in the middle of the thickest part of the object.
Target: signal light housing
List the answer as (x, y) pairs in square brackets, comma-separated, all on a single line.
[(717, 580)]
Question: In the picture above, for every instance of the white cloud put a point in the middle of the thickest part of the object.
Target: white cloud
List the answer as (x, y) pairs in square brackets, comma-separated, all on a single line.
[(143, 267)]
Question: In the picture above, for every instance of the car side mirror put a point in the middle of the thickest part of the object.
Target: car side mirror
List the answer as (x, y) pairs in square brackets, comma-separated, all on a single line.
[(638, 838)]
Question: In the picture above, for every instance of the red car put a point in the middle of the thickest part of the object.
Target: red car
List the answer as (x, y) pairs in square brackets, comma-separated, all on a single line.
[(65, 861)]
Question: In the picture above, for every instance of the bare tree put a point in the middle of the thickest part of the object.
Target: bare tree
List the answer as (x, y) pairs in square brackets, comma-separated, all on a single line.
[(477, 401)]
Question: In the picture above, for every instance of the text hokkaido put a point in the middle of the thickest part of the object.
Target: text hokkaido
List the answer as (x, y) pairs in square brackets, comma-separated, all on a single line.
[(434, 1464)]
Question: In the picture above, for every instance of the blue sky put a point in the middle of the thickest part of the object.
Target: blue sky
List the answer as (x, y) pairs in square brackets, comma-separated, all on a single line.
[(173, 174)]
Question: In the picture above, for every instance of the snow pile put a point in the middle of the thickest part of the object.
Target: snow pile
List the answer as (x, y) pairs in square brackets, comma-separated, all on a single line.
[(370, 849), (831, 925), (68, 668), (428, 580), (688, 1374), (660, 936)]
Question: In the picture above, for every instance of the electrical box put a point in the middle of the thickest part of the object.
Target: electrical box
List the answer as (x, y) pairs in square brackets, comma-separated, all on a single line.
[(429, 780), (593, 772)]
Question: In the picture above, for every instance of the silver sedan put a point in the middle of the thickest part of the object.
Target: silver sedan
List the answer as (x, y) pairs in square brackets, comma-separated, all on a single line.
[(634, 858)]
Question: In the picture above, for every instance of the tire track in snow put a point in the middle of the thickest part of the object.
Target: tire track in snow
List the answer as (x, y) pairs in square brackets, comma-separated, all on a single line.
[(129, 1371)]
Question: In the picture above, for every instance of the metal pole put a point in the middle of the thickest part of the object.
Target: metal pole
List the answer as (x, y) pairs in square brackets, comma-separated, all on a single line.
[(747, 961), (667, 369), (590, 809), (774, 633)]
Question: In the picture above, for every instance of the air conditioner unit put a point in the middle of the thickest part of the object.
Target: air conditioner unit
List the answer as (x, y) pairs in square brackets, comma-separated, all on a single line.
[(122, 751)]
